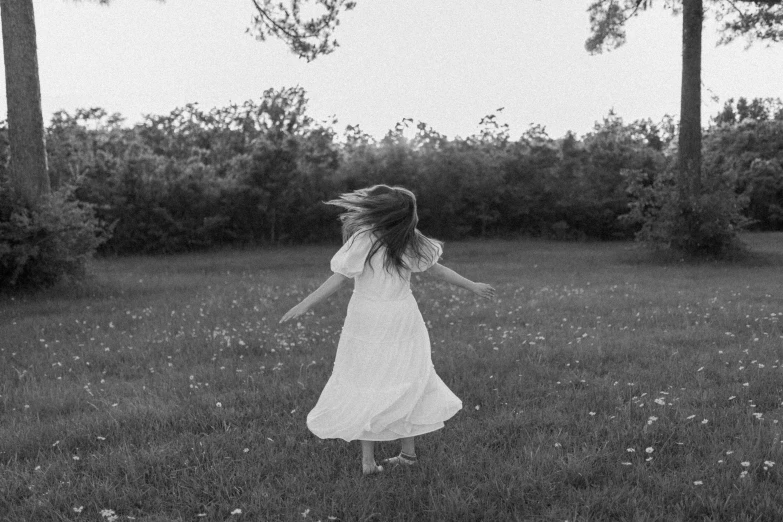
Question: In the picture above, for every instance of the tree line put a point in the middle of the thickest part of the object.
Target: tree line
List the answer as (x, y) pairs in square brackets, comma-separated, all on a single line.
[(45, 236), (257, 173)]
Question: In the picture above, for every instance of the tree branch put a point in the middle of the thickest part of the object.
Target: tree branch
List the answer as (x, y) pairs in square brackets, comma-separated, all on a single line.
[(635, 10), (757, 20), (278, 26), (764, 2), (739, 11), (307, 37)]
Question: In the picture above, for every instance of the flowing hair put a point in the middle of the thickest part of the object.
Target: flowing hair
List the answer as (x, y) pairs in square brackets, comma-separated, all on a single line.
[(390, 214)]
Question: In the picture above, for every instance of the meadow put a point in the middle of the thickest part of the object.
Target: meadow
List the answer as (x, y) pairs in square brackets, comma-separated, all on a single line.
[(600, 385)]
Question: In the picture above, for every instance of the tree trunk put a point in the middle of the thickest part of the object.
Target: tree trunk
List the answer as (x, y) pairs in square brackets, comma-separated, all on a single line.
[(272, 223), (689, 180), (27, 164)]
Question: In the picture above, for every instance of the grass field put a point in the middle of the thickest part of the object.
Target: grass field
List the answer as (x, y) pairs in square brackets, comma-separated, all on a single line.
[(599, 386)]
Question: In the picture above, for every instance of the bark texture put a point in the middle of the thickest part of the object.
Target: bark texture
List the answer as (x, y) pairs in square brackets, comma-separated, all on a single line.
[(690, 99), (27, 164)]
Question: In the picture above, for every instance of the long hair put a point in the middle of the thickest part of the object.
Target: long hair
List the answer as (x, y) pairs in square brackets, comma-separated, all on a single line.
[(388, 213)]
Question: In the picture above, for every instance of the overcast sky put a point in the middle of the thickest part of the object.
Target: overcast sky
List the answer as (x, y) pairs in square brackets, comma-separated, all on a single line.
[(444, 62)]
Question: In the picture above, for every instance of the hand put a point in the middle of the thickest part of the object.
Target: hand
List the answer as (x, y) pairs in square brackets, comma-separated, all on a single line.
[(294, 312), (483, 290)]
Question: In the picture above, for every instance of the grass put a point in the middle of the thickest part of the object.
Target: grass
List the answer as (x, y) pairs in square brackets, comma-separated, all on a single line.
[(599, 386)]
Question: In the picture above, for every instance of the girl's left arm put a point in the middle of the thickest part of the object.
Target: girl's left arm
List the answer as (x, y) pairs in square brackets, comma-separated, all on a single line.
[(329, 287), (450, 276)]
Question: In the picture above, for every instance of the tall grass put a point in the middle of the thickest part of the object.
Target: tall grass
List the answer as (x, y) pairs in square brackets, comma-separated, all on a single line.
[(599, 386)]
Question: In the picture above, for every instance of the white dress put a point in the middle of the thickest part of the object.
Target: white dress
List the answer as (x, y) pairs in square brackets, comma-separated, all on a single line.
[(383, 385)]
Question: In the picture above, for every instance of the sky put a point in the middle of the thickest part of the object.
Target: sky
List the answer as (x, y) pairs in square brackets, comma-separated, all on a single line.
[(444, 62)]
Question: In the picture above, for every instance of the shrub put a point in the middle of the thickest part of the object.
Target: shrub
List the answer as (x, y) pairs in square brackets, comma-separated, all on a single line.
[(764, 190), (42, 246), (752, 152), (704, 226), (257, 173)]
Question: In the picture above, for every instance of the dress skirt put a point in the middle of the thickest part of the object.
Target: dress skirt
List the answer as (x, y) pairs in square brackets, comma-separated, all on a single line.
[(383, 385)]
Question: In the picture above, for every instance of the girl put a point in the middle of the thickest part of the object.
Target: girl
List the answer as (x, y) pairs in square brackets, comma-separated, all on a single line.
[(383, 385)]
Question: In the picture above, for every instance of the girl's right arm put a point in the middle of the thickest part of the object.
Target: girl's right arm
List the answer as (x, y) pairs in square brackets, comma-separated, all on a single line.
[(329, 287), (450, 276)]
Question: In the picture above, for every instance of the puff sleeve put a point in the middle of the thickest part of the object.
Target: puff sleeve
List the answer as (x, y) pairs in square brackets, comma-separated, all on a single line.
[(433, 250), (349, 260)]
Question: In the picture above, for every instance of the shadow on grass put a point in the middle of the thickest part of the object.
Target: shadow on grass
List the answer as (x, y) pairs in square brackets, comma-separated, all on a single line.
[(747, 257)]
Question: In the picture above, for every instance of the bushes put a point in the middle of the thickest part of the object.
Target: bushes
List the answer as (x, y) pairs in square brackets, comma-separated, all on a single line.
[(751, 153), (258, 173), (194, 179), (703, 226), (51, 242)]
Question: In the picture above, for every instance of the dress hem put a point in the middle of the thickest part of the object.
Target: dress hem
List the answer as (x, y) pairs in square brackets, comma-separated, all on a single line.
[(386, 437)]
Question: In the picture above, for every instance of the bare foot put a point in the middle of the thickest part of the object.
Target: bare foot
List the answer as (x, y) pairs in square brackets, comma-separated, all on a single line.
[(371, 468), (402, 458)]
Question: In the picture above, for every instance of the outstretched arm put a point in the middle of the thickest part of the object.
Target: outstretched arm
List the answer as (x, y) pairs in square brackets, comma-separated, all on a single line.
[(450, 276), (322, 292)]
